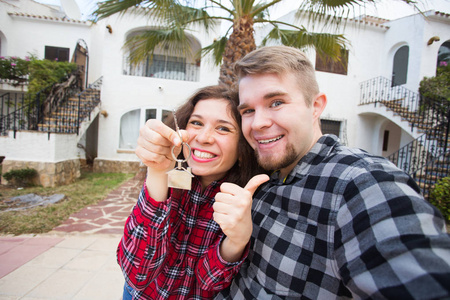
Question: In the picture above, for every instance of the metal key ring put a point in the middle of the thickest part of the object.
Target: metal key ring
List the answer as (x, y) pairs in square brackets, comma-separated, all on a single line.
[(181, 160)]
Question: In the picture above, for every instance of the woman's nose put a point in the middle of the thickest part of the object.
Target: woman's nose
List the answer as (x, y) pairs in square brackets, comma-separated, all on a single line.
[(205, 136)]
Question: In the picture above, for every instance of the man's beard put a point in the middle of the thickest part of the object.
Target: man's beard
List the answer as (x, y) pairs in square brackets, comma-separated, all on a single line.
[(269, 163)]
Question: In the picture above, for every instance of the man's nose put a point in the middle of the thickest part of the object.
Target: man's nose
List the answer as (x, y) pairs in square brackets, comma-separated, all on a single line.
[(261, 120)]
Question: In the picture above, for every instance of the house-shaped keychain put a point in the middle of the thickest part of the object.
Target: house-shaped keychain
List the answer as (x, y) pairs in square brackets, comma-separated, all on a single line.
[(180, 178)]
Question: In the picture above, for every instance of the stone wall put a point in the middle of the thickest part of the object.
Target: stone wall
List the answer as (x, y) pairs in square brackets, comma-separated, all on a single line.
[(49, 174), (114, 166)]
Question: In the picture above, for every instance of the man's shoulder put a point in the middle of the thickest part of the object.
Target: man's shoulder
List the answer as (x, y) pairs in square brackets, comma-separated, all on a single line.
[(356, 157)]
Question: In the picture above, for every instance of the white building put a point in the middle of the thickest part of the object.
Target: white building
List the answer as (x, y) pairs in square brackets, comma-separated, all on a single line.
[(378, 48)]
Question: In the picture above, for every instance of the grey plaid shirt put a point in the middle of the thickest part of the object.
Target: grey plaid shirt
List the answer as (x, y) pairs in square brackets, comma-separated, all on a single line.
[(344, 224)]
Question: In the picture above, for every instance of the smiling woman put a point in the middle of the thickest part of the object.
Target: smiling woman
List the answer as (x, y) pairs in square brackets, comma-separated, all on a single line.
[(214, 138), (187, 229)]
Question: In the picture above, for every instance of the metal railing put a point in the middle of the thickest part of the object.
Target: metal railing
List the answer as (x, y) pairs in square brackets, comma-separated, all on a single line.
[(63, 116), (420, 157), (21, 111), (436, 169), (164, 70), (417, 154), (403, 102)]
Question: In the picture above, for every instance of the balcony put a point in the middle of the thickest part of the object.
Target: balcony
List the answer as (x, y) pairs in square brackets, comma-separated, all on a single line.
[(164, 67)]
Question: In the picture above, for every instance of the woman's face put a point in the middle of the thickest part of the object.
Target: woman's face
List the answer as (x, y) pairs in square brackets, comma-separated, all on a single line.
[(213, 138)]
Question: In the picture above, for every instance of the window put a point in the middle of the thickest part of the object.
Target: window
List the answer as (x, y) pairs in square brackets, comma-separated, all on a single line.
[(400, 68), (330, 127), (444, 55), (166, 62), (325, 64), (385, 140), (132, 121), (169, 67), (129, 129), (57, 53)]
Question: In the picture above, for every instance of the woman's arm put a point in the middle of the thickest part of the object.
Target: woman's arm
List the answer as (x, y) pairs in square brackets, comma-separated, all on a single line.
[(143, 249), (154, 148), (213, 272)]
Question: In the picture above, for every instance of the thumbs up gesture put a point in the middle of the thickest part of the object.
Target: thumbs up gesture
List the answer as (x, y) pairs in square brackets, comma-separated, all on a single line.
[(232, 211)]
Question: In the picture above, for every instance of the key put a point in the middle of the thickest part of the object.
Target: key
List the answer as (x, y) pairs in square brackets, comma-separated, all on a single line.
[(180, 177)]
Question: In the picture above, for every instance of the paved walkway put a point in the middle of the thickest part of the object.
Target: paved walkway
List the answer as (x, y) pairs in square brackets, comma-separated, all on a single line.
[(74, 261)]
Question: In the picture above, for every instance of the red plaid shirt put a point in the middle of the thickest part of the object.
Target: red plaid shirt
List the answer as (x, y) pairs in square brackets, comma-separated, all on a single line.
[(170, 249)]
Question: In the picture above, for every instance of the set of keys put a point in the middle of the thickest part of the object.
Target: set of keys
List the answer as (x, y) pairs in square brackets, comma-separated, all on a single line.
[(180, 177)]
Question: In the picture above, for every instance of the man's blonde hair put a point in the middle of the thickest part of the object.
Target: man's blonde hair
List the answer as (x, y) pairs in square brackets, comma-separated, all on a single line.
[(281, 60)]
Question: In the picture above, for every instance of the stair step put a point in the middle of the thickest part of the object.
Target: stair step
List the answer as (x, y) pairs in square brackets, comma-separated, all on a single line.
[(48, 120)]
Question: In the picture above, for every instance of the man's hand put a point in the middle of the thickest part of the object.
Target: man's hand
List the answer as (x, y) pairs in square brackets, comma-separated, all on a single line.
[(232, 211)]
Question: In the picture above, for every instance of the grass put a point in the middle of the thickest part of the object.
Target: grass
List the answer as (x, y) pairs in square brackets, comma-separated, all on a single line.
[(89, 189)]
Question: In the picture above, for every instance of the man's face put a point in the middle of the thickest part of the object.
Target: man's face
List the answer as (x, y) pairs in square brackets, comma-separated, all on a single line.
[(276, 121)]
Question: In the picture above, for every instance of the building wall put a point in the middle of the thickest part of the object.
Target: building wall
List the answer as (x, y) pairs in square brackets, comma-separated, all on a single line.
[(29, 35)]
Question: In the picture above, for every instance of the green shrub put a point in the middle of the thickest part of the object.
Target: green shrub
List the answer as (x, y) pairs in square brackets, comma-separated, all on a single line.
[(38, 73), (436, 90), (44, 73), (20, 176), (440, 197)]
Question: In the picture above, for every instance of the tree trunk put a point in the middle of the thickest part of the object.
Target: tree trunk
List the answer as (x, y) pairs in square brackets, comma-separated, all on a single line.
[(238, 45)]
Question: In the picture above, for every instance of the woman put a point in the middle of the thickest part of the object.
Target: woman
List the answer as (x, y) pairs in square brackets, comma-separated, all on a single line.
[(172, 248)]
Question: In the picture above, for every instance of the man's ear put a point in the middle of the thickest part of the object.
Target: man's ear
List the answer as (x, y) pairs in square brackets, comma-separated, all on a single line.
[(319, 104)]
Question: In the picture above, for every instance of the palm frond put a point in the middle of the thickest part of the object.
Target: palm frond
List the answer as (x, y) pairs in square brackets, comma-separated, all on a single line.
[(143, 45), (217, 48), (159, 9), (261, 10), (185, 15), (329, 44)]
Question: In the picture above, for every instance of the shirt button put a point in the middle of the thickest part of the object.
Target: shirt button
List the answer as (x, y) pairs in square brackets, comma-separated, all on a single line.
[(186, 231), (178, 261)]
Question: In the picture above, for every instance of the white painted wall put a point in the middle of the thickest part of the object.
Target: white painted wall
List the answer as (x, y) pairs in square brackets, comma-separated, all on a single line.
[(26, 35), (38, 146)]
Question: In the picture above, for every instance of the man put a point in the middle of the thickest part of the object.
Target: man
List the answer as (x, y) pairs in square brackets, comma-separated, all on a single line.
[(332, 222)]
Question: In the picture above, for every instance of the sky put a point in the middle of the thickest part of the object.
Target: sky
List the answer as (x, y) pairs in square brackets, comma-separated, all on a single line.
[(387, 9)]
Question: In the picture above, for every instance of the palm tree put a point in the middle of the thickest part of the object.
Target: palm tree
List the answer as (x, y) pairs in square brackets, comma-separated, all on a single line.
[(242, 15)]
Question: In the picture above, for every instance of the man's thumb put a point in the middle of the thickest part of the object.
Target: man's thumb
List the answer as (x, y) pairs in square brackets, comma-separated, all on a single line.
[(255, 182)]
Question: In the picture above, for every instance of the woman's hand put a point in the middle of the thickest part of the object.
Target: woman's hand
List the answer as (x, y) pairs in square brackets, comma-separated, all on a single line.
[(154, 145), (154, 148)]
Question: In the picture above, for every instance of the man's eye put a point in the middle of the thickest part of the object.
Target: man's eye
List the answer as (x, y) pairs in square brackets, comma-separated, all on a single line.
[(276, 103), (247, 111)]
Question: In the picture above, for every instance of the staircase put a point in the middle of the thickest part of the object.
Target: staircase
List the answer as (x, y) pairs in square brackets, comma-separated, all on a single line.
[(70, 114), (427, 158)]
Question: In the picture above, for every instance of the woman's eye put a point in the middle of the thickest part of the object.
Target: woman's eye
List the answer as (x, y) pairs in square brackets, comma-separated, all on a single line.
[(196, 123), (223, 128)]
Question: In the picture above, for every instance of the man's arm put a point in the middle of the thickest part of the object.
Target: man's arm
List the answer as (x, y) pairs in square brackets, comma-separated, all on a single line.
[(389, 242)]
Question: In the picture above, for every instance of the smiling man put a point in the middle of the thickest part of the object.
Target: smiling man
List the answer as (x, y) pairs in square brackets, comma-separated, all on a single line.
[(333, 222)]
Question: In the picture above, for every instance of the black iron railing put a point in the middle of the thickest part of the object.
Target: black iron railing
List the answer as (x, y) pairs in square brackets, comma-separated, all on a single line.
[(427, 158), (164, 68), (405, 103), (437, 168), (20, 111), (62, 115)]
